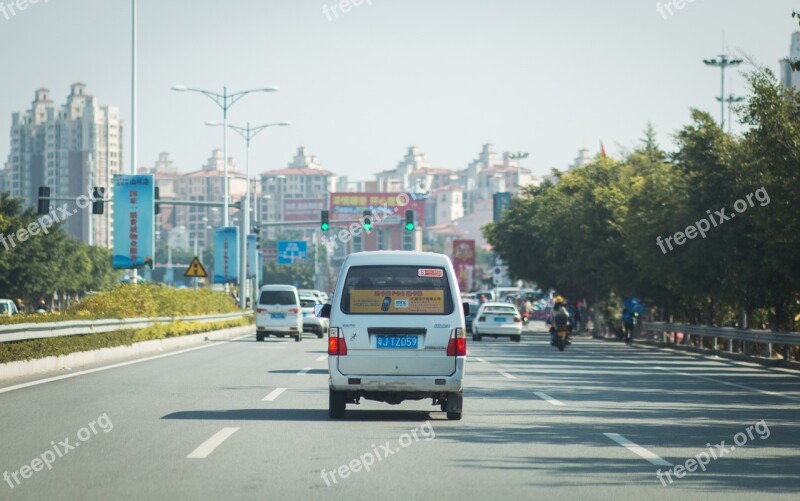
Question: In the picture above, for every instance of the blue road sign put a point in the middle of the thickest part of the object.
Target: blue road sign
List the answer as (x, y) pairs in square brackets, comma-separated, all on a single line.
[(292, 251)]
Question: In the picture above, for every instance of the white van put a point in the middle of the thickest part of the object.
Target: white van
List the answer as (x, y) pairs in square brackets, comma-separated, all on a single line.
[(396, 331), (278, 312)]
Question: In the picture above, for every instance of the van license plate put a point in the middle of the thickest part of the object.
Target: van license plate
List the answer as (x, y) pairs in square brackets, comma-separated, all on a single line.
[(278, 316), (407, 342)]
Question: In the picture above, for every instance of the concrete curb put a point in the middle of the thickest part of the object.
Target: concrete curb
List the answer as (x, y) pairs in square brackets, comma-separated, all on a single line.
[(80, 359)]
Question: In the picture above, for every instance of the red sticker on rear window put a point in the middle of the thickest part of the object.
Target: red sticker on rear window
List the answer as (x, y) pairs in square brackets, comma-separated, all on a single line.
[(430, 272)]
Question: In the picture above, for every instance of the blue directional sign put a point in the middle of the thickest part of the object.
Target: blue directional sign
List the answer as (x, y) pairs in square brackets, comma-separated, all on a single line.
[(292, 251), (502, 201)]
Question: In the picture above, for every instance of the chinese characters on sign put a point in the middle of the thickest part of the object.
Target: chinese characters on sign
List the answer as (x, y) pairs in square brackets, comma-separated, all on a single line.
[(133, 221)]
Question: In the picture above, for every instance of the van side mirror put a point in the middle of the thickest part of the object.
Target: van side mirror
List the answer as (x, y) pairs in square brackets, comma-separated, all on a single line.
[(465, 306), (322, 310)]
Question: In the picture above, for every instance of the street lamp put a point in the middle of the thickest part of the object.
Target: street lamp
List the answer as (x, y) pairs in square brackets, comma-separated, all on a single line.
[(247, 133), (224, 101), (722, 63), (731, 99), (518, 157)]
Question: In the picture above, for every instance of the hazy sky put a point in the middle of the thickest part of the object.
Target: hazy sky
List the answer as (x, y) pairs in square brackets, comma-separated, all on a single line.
[(445, 75)]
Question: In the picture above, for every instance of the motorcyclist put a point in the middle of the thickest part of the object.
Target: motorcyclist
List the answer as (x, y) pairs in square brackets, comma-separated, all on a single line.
[(558, 312)]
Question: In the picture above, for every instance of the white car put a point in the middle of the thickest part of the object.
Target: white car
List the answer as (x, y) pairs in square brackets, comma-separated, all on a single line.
[(278, 312), (311, 292), (312, 324), (396, 332), (7, 308), (497, 320)]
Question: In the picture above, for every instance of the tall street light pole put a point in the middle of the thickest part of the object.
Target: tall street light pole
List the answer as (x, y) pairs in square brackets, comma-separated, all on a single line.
[(247, 133), (518, 157), (731, 99), (224, 101), (722, 63)]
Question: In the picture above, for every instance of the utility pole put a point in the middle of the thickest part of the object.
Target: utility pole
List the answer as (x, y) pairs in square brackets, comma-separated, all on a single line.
[(722, 63)]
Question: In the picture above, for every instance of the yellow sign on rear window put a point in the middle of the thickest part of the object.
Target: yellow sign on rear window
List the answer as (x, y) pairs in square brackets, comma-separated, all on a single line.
[(397, 301)]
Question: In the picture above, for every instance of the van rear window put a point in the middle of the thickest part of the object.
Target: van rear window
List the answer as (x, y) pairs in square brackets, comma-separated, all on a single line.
[(397, 290), (277, 297)]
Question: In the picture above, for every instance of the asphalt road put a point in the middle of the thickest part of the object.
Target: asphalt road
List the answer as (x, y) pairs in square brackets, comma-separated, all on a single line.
[(247, 420)]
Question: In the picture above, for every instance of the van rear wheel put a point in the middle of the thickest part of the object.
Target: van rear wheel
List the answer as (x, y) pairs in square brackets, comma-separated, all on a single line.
[(336, 404), (298, 337)]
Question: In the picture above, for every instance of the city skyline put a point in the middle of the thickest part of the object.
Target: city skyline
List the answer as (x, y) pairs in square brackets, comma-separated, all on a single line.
[(381, 96)]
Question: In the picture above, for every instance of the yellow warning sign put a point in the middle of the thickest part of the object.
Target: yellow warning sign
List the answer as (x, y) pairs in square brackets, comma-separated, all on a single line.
[(196, 269)]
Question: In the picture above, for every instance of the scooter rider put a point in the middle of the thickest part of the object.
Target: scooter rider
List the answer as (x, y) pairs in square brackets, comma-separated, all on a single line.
[(559, 315)]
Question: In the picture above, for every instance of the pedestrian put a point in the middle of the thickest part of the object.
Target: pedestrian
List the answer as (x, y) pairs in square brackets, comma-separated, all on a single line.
[(627, 323)]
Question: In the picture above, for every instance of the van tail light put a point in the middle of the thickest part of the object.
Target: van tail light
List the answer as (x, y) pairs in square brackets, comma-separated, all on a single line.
[(517, 320), (481, 319), (457, 347), (293, 311), (337, 346), (261, 310)]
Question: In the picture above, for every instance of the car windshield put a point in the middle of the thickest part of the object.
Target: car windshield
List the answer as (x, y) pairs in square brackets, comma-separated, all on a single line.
[(277, 297), (397, 290)]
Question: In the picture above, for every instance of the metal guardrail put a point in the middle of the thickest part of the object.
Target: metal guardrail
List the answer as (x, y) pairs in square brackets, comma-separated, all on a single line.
[(730, 334), (28, 331)]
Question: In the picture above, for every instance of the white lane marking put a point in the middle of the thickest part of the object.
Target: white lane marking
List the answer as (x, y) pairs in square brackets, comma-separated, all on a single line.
[(735, 385), (303, 372), (212, 443), (115, 366), (322, 357), (481, 360), (273, 394), (506, 374), (547, 398), (638, 450)]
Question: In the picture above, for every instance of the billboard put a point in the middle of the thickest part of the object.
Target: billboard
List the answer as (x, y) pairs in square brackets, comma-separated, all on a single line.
[(464, 263), (226, 254), (292, 251), (303, 209), (387, 208), (252, 256), (134, 211)]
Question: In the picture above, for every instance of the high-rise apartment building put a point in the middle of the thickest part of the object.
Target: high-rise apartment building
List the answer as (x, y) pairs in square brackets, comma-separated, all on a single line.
[(69, 148), (788, 77)]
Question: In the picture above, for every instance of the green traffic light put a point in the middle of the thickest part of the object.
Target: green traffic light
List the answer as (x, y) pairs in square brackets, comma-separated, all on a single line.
[(368, 226), (326, 227), (410, 226)]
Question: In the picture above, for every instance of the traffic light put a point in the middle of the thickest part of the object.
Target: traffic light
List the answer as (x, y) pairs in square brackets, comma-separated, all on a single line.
[(43, 204), (97, 199), (257, 233), (325, 223), (157, 195), (367, 221), (410, 220)]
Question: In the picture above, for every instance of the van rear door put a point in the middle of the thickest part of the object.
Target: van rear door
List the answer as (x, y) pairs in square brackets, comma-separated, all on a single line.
[(398, 320)]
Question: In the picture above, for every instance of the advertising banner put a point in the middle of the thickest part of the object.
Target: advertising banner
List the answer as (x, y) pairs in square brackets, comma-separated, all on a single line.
[(387, 208), (226, 255), (464, 263), (397, 301), (252, 256), (134, 231)]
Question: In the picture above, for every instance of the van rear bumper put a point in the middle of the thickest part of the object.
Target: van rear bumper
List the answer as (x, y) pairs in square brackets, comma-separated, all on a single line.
[(403, 384)]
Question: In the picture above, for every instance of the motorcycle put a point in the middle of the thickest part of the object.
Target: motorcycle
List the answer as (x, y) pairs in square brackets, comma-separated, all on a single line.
[(561, 338)]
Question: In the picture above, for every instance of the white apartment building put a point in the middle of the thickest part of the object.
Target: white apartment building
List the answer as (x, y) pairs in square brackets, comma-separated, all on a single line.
[(207, 184), (69, 148), (302, 179), (413, 174)]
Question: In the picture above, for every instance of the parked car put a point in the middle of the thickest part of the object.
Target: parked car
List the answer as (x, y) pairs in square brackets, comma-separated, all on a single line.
[(278, 313), (497, 320), (311, 323), (396, 332)]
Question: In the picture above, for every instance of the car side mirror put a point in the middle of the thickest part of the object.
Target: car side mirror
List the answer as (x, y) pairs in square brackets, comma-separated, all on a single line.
[(322, 310), (465, 306)]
